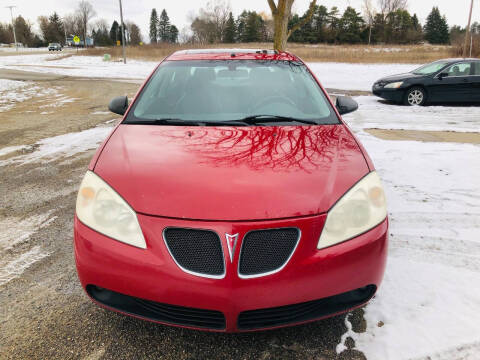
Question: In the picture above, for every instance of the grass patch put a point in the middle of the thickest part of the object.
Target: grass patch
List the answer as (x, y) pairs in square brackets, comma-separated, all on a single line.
[(407, 54)]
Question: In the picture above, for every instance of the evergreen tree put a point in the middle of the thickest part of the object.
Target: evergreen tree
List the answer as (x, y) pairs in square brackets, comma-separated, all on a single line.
[(253, 27), (164, 27), (115, 32), (241, 26), (230, 30), (436, 28), (350, 26), (24, 31), (56, 33), (153, 34), (320, 23), (333, 24), (173, 34)]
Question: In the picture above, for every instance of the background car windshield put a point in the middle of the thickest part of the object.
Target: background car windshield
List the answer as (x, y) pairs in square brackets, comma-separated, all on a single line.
[(430, 68), (231, 90)]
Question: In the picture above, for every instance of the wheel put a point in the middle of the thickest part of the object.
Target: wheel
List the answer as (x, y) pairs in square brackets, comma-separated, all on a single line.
[(415, 96)]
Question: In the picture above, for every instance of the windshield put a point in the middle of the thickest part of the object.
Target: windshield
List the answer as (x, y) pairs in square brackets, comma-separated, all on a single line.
[(430, 68), (232, 90)]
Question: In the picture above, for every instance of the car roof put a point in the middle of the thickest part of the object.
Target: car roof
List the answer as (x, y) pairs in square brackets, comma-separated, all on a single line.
[(232, 54), (454, 60)]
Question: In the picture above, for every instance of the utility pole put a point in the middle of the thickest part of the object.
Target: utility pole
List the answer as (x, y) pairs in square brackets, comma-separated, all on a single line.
[(13, 25), (123, 33), (468, 31)]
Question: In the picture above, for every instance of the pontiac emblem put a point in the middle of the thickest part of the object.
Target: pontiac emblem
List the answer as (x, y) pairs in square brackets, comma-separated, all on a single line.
[(231, 244)]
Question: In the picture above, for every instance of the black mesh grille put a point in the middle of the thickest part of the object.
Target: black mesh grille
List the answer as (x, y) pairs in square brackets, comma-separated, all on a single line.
[(311, 310), (171, 314), (199, 251), (264, 251)]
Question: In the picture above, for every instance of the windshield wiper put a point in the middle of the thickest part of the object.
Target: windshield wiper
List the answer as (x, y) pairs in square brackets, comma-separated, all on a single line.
[(181, 122), (257, 119)]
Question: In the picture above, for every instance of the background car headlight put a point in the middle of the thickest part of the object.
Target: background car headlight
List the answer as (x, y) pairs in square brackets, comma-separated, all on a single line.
[(394, 85), (102, 209), (361, 208)]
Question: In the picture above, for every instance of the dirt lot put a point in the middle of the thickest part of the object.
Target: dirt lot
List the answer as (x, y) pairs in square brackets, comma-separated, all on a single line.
[(44, 312)]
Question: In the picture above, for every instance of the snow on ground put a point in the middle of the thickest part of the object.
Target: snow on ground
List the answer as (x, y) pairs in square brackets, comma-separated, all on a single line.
[(430, 297), (12, 92), (332, 75), (17, 266), (374, 113), (85, 66), (355, 76), (65, 145)]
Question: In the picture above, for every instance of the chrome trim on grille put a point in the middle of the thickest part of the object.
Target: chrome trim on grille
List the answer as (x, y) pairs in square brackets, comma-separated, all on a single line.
[(193, 272), (273, 271)]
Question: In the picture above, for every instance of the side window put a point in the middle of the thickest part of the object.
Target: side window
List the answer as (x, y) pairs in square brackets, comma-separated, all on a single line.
[(460, 69), (476, 69)]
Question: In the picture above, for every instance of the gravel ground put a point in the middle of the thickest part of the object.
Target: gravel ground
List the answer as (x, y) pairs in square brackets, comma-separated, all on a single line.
[(44, 313)]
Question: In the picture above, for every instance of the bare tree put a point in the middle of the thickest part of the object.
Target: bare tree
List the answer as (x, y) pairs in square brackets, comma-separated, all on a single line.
[(281, 12), (86, 12), (369, 13), (72, 24), (209, 25), (389, 6)]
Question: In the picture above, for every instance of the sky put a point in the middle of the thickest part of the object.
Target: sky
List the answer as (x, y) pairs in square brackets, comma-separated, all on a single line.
[(179, 11)]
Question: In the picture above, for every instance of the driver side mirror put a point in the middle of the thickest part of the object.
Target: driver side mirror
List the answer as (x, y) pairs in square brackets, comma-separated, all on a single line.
[(118, 105), (442, 75), (345, 105)]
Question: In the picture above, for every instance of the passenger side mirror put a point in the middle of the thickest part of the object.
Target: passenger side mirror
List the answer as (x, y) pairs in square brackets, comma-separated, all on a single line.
[(442, 75), (345, 105), (118, 105)]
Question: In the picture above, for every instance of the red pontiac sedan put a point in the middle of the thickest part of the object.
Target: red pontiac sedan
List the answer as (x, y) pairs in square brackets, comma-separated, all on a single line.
[(232, 197)]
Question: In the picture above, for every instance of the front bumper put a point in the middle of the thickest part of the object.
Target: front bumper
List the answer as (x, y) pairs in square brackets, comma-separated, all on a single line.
[(152, 275), (395, 95)]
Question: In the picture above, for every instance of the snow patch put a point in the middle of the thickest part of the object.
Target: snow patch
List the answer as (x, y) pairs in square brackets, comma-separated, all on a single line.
[(373, 113), (66, 145), (17, 266)]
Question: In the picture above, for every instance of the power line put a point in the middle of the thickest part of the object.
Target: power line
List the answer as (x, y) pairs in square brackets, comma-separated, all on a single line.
[(13, 25)]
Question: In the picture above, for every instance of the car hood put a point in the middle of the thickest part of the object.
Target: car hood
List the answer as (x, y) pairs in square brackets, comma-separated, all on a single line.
[(231, 173), (400, 77)]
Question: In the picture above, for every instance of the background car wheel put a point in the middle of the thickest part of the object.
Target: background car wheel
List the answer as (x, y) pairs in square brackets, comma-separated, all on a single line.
[(415, 96)]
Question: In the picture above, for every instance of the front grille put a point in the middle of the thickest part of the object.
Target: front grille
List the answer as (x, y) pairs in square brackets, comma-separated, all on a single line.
[(151, 310), (266, 251), (196, 251), (311, 310)]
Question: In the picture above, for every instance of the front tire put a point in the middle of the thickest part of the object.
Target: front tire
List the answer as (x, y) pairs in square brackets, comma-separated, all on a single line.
[(415, 96)]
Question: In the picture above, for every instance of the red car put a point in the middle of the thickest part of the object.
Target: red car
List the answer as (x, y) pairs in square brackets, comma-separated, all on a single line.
[(232, 197)]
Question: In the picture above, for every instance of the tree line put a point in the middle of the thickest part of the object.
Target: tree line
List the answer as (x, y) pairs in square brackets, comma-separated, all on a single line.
[(391, 24)]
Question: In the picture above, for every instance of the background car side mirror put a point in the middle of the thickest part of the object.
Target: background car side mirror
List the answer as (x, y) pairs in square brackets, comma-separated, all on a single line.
[(442, 75), (345, 105), (118, 105)]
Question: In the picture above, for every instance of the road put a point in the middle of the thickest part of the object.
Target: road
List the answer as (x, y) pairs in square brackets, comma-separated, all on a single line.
[(44, 312)]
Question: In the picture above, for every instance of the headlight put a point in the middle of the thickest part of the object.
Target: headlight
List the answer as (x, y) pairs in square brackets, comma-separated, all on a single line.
[(102, 209), (394, 85), (361, 208)]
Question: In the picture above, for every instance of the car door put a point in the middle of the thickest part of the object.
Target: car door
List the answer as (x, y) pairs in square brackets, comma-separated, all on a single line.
[(475, 81), (455, 86)]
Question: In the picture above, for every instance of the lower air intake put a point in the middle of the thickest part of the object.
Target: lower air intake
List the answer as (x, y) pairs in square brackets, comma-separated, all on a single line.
[(311, 310), (151, 310)]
